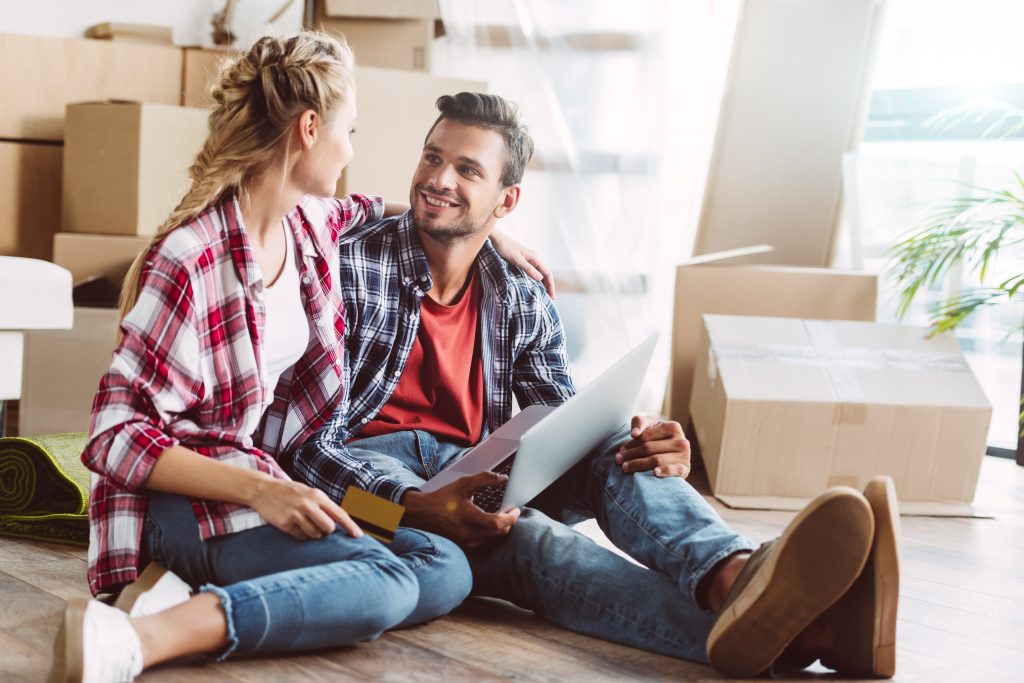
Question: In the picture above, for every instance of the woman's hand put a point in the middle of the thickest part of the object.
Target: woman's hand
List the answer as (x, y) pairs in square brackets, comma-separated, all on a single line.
[(525, 259), (299, 510), (294, 508)]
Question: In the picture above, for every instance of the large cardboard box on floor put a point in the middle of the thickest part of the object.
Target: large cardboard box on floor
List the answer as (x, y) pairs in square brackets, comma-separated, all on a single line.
[(30, 192), (39, 76), (390, 138), (390, 35), (126, 164), (784, 408), (778, 291), (62, 372)]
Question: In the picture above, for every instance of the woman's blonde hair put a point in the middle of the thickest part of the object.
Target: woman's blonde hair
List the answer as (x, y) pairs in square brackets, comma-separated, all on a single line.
[(258, 95)]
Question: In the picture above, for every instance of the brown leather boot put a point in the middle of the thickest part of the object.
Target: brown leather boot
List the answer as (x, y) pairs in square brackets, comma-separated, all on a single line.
[(790, 581)]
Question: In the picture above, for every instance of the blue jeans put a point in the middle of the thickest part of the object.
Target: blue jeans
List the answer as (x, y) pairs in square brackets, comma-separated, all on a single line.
[(281, 594), (545, 566)]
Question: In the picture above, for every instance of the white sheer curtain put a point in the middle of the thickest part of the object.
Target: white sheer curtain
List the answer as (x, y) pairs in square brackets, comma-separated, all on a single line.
[(622, 103)]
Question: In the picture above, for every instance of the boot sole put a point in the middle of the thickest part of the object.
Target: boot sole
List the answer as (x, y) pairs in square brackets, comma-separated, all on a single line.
[(818, 557), (131, 593), (881, 495), (68, 664)]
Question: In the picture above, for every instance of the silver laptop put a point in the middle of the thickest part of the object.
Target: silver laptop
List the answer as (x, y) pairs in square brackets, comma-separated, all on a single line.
[(541, 443)]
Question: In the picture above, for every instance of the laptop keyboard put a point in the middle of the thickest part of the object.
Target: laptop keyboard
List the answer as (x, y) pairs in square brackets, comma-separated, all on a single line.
[(489, 498)]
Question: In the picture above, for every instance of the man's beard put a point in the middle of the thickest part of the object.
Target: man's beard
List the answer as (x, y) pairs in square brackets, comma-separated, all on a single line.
[(452, 233)]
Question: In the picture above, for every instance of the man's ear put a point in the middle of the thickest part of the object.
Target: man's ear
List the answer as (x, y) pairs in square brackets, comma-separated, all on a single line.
[(307, 127), (508, 200)]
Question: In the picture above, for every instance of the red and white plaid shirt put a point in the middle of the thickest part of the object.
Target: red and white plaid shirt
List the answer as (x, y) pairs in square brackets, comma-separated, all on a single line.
[(189, 370)]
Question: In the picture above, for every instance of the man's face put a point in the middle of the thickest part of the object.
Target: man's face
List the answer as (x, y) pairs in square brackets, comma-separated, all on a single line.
[(456, 190)]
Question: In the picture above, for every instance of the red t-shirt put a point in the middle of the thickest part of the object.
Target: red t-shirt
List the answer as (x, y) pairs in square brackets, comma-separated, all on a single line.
[(441, 390)]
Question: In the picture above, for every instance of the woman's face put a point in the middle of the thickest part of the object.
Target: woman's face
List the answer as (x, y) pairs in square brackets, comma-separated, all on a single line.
[(332, 150)]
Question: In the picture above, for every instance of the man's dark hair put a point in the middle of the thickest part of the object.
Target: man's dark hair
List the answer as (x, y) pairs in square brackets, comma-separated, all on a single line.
[(497, 114)]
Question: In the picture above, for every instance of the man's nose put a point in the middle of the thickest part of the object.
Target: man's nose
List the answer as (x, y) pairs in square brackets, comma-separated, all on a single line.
[(443, 177)]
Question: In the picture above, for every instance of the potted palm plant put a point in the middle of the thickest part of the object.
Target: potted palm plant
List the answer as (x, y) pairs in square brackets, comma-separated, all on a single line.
[(969, 232)]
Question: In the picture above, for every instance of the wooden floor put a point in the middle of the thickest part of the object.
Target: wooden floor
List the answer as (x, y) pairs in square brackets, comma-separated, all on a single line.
[(961, 616)]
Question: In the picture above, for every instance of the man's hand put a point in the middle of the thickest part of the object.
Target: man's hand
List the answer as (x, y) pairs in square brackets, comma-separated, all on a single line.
[(658, 446), (525, 259), (450, 511), (301, 511)]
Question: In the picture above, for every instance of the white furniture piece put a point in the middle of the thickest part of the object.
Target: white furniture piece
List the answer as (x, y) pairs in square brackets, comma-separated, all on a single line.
[(34, 295)]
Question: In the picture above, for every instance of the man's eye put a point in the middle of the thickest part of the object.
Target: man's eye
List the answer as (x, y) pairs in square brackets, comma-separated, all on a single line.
[(469, 170)]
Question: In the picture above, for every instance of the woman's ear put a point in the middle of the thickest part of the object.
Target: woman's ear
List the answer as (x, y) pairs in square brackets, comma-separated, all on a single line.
[(308, 128)]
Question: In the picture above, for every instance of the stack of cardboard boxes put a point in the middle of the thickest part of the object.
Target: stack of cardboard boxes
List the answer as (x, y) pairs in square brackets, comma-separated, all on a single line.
[(99, 136)]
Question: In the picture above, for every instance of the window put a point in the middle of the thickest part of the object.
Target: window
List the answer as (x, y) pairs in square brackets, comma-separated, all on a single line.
[(933, 56)]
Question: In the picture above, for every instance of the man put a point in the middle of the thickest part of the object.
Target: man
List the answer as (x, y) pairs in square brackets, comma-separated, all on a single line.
[(442, 333)]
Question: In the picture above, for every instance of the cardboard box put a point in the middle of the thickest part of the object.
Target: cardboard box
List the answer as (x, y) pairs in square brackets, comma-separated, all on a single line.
[(105, 256), (39, 76), (777, 291), (200, 66), (126, 165), (785, 408), (62, 373), (30, 192), (385, 43), (389, 140), (391, 9)]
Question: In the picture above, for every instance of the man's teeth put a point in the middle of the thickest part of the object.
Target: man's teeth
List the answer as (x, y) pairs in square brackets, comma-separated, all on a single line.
[(436, 202)]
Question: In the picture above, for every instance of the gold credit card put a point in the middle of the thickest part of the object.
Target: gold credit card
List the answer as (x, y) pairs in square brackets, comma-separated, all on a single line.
[(375, 515)]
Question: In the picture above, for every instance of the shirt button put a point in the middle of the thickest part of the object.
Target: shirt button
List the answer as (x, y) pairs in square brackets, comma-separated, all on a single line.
[(364, 420), (398, 373), (407, 280), (305, 279), (423, 277)]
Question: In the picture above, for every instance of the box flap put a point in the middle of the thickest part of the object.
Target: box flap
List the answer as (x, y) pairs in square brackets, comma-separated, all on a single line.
[(727, 255)]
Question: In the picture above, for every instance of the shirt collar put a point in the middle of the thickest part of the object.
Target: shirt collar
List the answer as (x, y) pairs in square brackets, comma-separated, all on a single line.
[(414, 271), (238, 241)]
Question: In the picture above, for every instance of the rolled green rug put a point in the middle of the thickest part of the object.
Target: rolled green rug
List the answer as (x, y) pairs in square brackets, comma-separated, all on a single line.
[(44, 488)]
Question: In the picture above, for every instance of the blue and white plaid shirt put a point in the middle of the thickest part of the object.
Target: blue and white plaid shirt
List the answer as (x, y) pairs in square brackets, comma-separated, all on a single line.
[(384, 275)]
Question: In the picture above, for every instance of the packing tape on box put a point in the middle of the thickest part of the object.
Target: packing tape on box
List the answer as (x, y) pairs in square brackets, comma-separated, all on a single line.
[(838, 362)]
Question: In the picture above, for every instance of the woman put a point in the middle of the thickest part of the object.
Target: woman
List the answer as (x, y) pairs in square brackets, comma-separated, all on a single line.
[(229, 358)]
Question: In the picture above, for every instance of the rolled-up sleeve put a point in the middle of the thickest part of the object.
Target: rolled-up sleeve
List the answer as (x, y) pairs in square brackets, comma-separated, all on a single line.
[(154, 376)]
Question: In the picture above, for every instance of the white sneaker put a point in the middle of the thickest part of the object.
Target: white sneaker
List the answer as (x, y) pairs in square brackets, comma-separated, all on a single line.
[(156, 589), (96, 644)]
